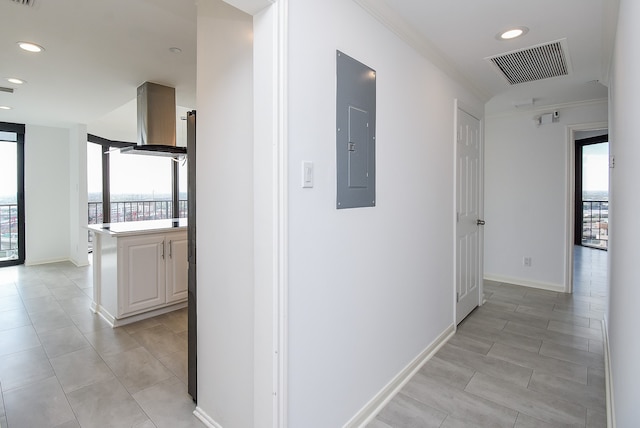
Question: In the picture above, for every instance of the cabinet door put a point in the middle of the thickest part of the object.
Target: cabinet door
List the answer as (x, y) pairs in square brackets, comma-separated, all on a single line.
[(142, 273), (177, 266)]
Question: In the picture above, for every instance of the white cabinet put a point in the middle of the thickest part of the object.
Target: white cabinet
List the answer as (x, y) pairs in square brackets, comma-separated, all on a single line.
[(141, 273), (177, 267), (140, 269), (152, 272)]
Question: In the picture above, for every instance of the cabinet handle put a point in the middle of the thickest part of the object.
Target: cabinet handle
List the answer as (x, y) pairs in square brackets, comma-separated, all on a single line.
[(162, 250), (170, 249)]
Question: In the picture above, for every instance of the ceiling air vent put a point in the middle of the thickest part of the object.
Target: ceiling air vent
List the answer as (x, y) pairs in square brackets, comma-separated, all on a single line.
[(24, 2), (534, 63)]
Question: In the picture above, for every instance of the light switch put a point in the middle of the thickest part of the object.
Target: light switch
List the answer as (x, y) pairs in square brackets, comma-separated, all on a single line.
[(307, 174)]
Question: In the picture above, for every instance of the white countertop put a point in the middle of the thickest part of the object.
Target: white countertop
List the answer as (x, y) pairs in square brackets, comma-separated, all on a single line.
[(140, 227)]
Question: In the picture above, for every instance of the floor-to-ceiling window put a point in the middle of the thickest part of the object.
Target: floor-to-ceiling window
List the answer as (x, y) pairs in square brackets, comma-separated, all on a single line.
[(592, 192), (12, 247), (133, 187)]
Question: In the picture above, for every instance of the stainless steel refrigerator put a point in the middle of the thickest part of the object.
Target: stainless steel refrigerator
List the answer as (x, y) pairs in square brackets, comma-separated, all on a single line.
[(192, 358)]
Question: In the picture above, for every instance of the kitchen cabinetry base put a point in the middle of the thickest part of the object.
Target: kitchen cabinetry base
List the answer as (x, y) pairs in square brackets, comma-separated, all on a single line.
[(139, 270)]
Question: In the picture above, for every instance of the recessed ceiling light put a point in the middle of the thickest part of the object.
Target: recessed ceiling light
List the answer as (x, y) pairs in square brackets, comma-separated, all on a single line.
[(5, 108), (30, 47), (512, 33), (16, 80)]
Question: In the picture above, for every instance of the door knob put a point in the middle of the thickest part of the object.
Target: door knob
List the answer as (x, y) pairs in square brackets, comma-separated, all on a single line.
[(480, 222)]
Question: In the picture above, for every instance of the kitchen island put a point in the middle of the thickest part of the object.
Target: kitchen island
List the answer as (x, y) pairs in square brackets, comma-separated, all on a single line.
[(139, 269)]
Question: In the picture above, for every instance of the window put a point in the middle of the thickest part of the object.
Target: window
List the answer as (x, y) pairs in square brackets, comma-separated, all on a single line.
[(12, 236), (94, 183), (141, 187), (592, 192), (183, 170), (133, 187)]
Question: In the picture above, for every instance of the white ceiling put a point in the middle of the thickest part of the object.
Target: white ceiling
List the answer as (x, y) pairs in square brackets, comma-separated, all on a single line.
[(99, 51)]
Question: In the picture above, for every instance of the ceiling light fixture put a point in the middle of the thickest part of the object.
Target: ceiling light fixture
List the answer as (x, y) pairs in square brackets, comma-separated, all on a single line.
[(175, 50), (16, 80), (5, 108), (512, 33), (30, 47)]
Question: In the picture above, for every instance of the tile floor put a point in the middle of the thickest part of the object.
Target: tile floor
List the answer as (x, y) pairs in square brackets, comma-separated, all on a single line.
[(63, 366), (526, 358)]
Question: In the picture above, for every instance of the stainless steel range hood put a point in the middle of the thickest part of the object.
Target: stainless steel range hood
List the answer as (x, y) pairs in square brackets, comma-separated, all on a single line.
[(156, 122)]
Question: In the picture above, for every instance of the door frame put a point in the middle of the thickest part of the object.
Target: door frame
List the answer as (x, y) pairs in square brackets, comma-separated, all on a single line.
[(571, 196), (579, 145), (460, 105), (270, 26)]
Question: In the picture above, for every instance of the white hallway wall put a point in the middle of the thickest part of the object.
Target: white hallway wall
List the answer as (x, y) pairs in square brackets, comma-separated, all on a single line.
[(526, 198), (623, 318), (369, 288), (225, 215)]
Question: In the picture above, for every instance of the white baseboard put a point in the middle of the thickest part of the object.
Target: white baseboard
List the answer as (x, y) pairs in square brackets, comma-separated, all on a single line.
[(205, 419), (375, 405), (100, 310), (119, 322), (45, 261), (526, 283), (80, 263), (608, 381), (77, 263)]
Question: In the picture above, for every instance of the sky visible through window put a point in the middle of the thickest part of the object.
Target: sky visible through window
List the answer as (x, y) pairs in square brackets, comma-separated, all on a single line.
[(595, 167), (8, 171), (131, 175)]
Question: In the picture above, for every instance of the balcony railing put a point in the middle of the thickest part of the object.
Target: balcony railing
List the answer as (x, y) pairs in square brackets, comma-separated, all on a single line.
[(135, 211), (595, 224), (8, 231)]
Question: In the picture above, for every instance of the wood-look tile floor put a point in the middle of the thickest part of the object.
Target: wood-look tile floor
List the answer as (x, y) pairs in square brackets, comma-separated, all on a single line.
[(63, 366), (526, 358)]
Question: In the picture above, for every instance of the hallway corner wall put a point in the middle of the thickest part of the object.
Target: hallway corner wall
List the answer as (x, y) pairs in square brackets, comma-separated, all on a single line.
[(526, 198), (622, 316)]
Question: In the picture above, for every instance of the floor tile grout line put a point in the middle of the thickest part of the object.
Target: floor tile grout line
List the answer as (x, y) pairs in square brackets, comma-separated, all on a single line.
[(115, 376)]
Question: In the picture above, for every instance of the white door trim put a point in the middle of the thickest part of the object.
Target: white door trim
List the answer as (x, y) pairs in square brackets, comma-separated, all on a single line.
[(459, 105), (276, 40), (281, 218), (570, 196)]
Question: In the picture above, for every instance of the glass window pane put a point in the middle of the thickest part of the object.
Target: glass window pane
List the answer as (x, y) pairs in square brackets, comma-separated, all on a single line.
[(140, 187), (595, 195), (94, 182), (8, 172), (8, 136), (182, 187), (8, 197), (595, 172)]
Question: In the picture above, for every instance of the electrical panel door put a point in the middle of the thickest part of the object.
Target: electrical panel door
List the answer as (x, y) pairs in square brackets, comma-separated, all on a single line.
[(355, 134)]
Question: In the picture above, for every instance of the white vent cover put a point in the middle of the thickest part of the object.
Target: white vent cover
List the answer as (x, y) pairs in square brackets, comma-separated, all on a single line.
[(24, 2), (534, 63)]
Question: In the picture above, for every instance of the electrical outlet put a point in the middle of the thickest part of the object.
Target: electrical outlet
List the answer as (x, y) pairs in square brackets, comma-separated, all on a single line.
[(526, 261)]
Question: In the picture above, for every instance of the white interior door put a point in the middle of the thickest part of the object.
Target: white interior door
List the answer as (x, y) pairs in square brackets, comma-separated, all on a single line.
[(468, 215)]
